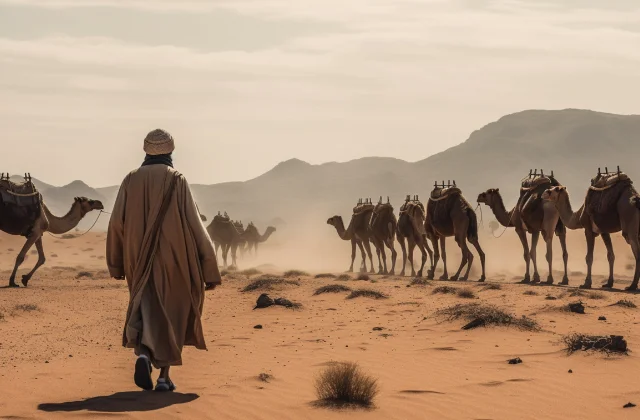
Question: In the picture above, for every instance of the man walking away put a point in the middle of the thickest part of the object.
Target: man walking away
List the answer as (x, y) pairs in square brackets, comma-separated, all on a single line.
[(156, 241)]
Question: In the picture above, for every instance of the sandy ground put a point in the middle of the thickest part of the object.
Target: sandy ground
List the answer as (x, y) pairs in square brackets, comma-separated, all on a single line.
[(60, 353)]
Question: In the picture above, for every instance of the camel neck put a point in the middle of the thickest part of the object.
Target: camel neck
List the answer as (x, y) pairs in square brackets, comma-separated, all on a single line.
[(60, 225)]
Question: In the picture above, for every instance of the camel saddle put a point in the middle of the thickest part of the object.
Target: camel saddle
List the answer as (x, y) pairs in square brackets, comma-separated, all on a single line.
[(222, 219), (531, 183), (409, 204), (362, 208), (19, 194), (441, 193), (606, 181)]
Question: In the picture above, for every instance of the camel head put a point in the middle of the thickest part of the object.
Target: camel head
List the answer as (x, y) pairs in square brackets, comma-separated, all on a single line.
[(335, 221), (87, 205), (270, 229), (489, 197), (554, 194)]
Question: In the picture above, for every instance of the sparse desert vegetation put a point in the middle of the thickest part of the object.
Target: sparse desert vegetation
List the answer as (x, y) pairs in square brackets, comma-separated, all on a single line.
[(419, 281), (344, 277), (625, 303), (332, 288), (267, 283), (364, 277), (445, 290), (295, 273), (250, 272), (373, 294), (26, 307), (606, 344), (466, 293), (482, 315), (325, 276), (345, 385)]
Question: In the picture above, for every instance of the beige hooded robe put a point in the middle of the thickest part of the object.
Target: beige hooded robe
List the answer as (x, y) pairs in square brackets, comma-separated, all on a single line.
[(166, 261)]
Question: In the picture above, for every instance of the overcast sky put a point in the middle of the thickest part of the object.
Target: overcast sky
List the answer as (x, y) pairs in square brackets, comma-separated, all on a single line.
[(243, 85)]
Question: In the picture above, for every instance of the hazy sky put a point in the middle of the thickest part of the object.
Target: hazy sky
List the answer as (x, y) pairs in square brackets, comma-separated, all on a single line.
[(243, 85)]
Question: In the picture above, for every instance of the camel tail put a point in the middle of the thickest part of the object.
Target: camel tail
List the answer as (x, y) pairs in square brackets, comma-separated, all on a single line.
[(472, 233)]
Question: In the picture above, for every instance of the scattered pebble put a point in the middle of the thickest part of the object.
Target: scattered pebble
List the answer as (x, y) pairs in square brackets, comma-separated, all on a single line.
[(602, 318), (570, 371), (515, 361), (378, 328), (258, 327), (629, 405)]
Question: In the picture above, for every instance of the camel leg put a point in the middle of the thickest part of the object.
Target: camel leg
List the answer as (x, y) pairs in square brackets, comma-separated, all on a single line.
[(41, 261), (611, 257), (367, 247), (445, 275), (225, 253), (548, 239), (565, 258), (591, 242), (353, 255), (476, 245), (234, 249), (423, 251), (404, 256), (31, 239), (535, 236), (412, 247), (525, 245), (462, 243), (363, 265), (434, 255), (635, 247), (255, 250), (382, 256), (394, 256)]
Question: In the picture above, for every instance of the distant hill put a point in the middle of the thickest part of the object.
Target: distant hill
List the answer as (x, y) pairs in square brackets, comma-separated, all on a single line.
[(573, 143)]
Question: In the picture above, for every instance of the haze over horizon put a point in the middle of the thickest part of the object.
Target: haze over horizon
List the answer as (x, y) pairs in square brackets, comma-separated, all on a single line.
[(243, 85)]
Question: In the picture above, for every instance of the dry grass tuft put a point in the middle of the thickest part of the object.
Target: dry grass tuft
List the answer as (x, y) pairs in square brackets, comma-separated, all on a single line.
[(344, 385), (367, 293), (364, 277), (265, 377), (492, 286), (606, 343), (445, 290), (589, 294), (344, 277), (419, 281), (466, 294), (332, 288), (295, 273), (484, 316), (84, 274), (250, 272), (325, 276), (625, 303), (26, 307), (266, 283), (530, 293)]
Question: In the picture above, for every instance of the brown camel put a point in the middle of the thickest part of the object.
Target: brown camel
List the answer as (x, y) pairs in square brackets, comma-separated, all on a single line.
[(533, 215), (383, 226), (359, 231), (411, 227), (449, 214), (24, 213), (253, 237), (224, 233), (609, 207)]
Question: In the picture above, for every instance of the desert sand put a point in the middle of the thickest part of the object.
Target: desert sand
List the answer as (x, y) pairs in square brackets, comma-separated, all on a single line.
[(61, 354)]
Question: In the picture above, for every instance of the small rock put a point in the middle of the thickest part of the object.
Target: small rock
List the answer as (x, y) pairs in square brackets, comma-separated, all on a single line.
[(570, 371), (629, 405), (602, 318), (576, 307), (378, 328), (264, 301), (515, 361), (46, 361), (71, 355), (551, 298), (258, 327)]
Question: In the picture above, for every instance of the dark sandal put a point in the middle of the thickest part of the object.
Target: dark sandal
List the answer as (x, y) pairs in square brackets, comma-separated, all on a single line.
[(164, 385), (142, 374)]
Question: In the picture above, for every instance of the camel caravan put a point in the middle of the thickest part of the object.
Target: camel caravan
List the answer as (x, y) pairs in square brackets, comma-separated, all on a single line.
[(543, 207)]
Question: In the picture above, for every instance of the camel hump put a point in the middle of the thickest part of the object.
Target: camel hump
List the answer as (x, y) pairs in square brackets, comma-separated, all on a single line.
[(441, 193), (534, 181), (606, 181), (19, 194)]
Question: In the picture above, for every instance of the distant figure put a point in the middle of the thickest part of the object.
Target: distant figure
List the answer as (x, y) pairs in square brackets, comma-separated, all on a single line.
[(158, 243)]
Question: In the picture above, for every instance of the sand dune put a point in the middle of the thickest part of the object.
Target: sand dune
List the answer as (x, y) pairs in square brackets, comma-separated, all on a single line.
[(61, 357)]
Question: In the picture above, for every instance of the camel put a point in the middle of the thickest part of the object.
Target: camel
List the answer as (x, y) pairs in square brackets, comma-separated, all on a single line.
[(359, 232), (449, 214), (224, 233), (253, 237), (383, 226), (24, 213), (533, 215), (610, 206), (411, 227)]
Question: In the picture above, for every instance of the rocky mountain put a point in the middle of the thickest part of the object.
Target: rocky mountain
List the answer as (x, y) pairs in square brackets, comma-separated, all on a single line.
[(573, 143)]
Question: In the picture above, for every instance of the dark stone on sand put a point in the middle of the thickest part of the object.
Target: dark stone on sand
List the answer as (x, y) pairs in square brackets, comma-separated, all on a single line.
[(264, 301), (478, 322), (602, 318), (570, 371), (515, 361), (576, 307), (629, 405), (258, 327), (378, 328), (551, 298)]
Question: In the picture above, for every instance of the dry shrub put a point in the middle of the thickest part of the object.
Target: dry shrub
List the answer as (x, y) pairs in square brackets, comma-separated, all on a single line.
[(589, 294), (367, 293), (332, 288), (604, 343), (84, 274), (492, 286), (250, 272), (325, 276), (625, 303), (419, 281), (265, 283), (484, 316), (265, 377), (364, 277), (26, 307), (530, 293), (345, 385), (466, 294), (344, 277), (295, 273), (445, 290)]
